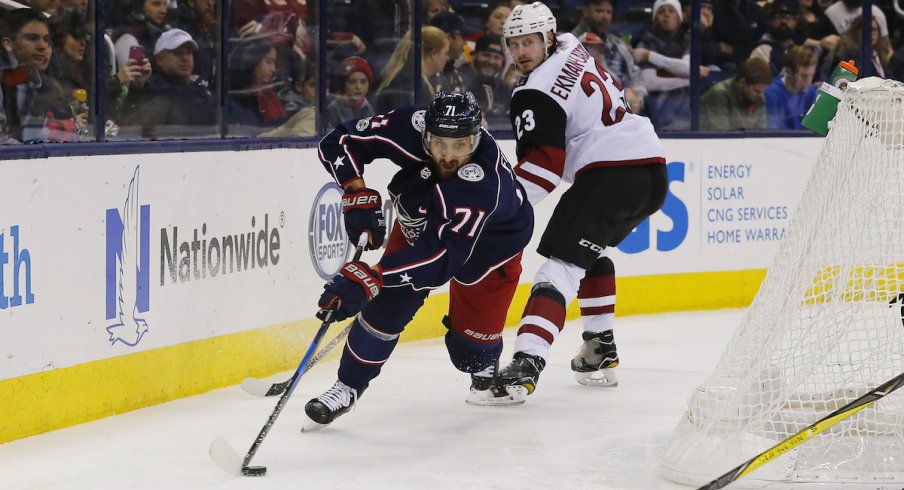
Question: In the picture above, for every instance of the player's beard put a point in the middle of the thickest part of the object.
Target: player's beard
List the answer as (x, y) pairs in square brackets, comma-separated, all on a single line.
[(527, 67), (447, 168)]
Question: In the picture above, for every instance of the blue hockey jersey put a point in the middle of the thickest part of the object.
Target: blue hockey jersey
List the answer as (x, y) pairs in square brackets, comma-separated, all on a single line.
[(464, 226)]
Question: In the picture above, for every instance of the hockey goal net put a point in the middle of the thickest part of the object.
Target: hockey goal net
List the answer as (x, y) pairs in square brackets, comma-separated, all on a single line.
[(823, 329)]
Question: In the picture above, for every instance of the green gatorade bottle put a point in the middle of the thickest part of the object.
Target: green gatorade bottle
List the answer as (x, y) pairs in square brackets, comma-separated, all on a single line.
[(822, 112)]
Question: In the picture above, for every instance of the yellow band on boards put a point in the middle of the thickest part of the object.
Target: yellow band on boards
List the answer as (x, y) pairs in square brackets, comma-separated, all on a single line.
[(63, 397)]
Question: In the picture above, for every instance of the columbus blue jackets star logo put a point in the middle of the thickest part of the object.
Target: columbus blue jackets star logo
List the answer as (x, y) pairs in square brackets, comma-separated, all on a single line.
[(405, 278), (338, 163)]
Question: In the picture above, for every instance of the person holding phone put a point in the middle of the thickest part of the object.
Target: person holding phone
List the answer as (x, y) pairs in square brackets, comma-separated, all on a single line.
[(137, 70), (174, 102), (145, 25), (130, 78)]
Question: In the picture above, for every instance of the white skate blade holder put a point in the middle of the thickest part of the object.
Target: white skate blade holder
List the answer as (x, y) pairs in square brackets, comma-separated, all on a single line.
[(516, 395), (602, 378)]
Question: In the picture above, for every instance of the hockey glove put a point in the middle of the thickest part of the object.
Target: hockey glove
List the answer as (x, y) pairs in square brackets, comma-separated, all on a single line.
[(351, 289), (363, 210)]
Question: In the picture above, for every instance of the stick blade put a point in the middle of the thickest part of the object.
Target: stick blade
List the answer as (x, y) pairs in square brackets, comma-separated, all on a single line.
[(223, 455), (259, 387)]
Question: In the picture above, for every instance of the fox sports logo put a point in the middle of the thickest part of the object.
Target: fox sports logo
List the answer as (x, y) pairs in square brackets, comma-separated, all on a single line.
[(326, 233)]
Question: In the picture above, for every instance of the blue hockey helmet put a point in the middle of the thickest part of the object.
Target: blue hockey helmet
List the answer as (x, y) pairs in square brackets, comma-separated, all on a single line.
[(453, 115)]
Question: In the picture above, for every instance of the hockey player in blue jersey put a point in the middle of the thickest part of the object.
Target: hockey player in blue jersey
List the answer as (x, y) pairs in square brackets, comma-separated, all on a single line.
[(463, 218)]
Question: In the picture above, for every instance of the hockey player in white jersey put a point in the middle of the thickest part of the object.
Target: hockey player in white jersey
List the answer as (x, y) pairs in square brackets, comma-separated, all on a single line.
[(572, 125)]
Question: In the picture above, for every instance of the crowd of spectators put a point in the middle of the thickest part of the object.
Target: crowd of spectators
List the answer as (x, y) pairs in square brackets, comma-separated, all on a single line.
[(761, 62)]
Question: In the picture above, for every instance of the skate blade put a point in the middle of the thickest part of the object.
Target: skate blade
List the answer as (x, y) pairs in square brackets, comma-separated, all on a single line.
[(311, 426), (486, 398), (603, 378)]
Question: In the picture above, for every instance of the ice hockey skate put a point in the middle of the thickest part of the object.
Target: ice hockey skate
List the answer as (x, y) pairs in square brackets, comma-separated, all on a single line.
[(329, 406), (522, 374), (486, 392), (595, 360)]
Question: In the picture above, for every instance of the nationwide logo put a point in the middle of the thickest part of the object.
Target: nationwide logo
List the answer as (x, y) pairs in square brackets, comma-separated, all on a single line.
[(202, 256), (128, 268), (21, 261)]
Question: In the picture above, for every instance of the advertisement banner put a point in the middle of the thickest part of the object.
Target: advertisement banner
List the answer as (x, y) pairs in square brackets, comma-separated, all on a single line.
[(102, 256), (728, 206)]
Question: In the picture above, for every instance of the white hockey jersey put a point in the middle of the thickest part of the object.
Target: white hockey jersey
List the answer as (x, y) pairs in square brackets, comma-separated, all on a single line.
[(570, 115)]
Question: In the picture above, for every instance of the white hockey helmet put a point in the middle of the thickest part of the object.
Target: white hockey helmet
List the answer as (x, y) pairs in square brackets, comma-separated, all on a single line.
[(529, 19)]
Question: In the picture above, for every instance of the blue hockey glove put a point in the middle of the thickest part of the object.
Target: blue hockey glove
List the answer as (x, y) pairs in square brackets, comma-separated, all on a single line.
[(363, 210), (355, 285)]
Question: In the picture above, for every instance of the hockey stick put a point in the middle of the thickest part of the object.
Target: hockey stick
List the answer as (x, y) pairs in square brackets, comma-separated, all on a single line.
[(259, 387), (807, 433), (223, 454)]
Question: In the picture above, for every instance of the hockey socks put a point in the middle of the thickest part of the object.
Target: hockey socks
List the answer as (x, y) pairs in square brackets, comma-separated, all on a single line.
[(541, 322), (367, 349), (596, 296)]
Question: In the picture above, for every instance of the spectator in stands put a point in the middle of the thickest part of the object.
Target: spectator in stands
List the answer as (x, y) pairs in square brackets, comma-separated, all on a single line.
[(712, 51), (301, 91), (818, 33), (68, 64), (36, 104), (596, 17), (129, 78), (433, 7), (350, 85), (791, 94), (737, 26), (783, 19), (47, 6), (145, 24), (80, 6), (373, 22), (663, 53), (397, 88), (253, 103), (738, 103), (199, 18), (450, 80), (482, 79), (816, 26), (300, 100), (175, 103), (849, 49), (284, 22), (596, 47), (495, 19), (896, 65), (843, 12)]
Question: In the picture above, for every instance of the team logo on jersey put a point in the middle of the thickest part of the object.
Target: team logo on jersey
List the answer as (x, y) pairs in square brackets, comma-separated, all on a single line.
[(471, 172), (362, 124), (426, 173), (410, 226), (417, 120)]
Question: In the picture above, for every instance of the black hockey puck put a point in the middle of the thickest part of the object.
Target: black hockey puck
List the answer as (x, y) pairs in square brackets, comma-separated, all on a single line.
[(254, 470)]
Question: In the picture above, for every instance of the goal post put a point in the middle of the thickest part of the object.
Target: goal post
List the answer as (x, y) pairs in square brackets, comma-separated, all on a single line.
[(824, 328)]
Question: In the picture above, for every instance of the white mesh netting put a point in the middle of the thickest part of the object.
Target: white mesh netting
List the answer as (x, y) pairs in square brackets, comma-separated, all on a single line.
[(821, 331)]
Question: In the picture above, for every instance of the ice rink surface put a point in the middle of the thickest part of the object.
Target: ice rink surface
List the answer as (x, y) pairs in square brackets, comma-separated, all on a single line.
[(411, 429)]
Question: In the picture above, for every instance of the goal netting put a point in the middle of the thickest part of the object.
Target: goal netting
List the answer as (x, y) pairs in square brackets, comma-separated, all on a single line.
[(823, 328)]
